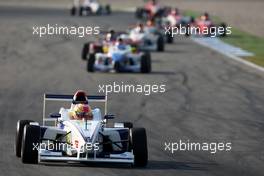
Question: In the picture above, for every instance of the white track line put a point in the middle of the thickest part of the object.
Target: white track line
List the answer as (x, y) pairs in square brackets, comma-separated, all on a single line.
[(231, 56)]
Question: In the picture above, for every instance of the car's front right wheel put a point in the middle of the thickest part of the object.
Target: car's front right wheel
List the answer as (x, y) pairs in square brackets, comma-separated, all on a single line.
[(139, 146)]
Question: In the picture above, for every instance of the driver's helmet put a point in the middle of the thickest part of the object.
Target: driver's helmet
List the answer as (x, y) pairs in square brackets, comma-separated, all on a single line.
[(150, 23), (80, 97), (154, 2), (205, 17), (120, 44), (140, 28), (110, 36), (82, 111), (175, 11)]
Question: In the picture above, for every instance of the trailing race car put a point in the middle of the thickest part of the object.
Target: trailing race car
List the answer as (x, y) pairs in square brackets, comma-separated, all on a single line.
[(79, 138), (119, 57), (97, 46), (88, 7), (151, 10), (146, 38), (204, 26)]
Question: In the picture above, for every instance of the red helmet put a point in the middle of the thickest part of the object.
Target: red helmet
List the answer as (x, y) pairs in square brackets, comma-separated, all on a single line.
[(80, 97)]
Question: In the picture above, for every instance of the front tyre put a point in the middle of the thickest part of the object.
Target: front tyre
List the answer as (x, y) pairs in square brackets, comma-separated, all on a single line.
[(160, 44), (85, 51), (108, 9), (90, 63), (31, 139), (19, 134), (139, 146), (146, 63)]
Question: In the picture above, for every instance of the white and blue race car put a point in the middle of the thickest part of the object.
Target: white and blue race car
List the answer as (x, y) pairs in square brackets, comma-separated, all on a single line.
[(88, 7), (80, 140), (146, 39), (119, 58)]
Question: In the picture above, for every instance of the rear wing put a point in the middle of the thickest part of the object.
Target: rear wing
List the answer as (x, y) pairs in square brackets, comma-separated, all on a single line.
[(69, 98)]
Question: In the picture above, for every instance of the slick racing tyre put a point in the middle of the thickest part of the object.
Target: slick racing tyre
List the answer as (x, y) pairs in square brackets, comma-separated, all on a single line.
[(73, 11), (160, 44), (108, 9), (19, 134), (118, 67), (31, 139), (90, 63), (139, 146), (169, 38), (81, 9), (146, 63), (85, 51), (223, 25)]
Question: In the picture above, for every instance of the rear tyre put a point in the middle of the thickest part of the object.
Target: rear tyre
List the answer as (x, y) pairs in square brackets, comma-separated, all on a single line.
[(117, 67), (139, 146), (73, 11), (90, 63), (160, 44), (169, 38), (108, 9), (81, 9), (146, 63), (223, 25), (31, 139), (85, 51), (139, 13), (19, 134)]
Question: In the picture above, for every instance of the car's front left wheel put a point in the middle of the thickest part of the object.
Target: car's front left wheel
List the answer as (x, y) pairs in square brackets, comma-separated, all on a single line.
[(19, 135), (30, 144)]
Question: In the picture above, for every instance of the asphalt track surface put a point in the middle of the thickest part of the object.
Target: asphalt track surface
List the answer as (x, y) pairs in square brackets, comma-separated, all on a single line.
[(209, 98)]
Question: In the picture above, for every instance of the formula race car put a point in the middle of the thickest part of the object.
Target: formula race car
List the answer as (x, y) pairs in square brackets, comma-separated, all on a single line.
[(80, 140), (204, 26), (88, 7), (145, 38), (119, 57), (92, 48), (151, 10)]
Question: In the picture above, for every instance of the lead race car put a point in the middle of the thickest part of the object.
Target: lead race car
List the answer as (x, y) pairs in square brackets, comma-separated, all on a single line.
[(80, 140)]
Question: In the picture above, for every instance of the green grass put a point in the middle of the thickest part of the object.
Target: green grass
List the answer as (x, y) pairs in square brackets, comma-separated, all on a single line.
[(241, 39)]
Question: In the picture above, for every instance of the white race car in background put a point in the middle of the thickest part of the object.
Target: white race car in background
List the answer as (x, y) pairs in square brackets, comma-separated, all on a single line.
[(87, 7), (120, 59), (80, 140), (147, 40)]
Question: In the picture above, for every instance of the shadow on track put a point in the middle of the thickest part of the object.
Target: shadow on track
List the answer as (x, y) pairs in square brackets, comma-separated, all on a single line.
[(152, 165)]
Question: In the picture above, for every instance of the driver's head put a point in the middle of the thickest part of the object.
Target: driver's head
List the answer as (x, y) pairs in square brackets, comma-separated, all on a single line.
[(82, 111), (80, 97), (110, 35), (119, 41), (205, 16), (153, 2), (150, 22), (175, 11), (140, 27)]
